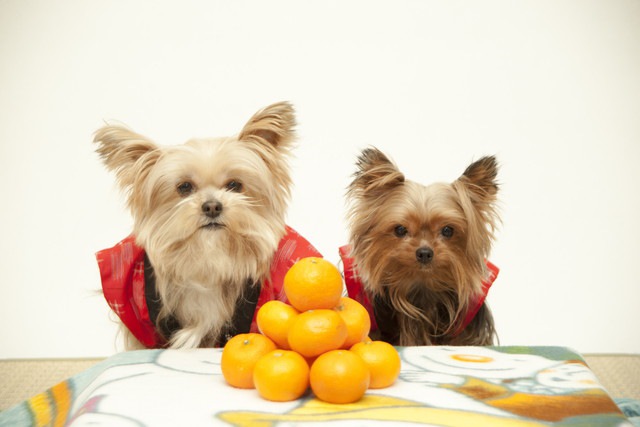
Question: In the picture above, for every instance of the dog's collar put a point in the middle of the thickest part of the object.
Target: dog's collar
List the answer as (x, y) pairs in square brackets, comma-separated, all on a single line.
[(490, 277), (122, 270), (356, 290)]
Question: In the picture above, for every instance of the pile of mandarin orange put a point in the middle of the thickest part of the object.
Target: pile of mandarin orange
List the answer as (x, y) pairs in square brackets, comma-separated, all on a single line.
[(319, 340)]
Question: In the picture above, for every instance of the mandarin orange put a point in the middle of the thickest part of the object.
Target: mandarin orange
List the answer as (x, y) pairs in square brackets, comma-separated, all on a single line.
[(357, 319), (240, 355), (313, 283), (317, 331), (274, 320), (383, 362), (281, 375), (339, 376)]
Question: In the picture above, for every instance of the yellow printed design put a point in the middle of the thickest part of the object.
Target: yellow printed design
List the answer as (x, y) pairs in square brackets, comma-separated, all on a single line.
[(371, 408), (51, 408)]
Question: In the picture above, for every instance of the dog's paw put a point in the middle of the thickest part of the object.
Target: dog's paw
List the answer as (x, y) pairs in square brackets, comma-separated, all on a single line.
[(186, 338)]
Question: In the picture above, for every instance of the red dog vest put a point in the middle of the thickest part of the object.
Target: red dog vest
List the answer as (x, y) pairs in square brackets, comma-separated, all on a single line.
[(122, 270), (356, 289)]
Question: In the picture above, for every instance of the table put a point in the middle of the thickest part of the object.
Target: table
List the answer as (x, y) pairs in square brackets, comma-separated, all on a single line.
[(443, 386)]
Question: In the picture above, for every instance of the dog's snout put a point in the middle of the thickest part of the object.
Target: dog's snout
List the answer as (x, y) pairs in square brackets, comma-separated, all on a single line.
[(212, 208), (424, 255)]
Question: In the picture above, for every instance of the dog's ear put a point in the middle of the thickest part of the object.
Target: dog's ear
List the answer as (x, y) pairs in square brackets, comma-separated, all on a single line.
[(477, 189), (480, 178), (376, 173), (125, 152), (273, 125)]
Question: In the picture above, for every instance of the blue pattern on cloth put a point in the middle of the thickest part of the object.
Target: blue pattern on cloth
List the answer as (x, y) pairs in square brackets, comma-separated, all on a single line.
[(630, 408)]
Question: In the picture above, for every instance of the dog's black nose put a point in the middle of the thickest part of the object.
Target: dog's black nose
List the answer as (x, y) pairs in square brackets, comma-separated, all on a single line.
[(212, 208), (424, 255)]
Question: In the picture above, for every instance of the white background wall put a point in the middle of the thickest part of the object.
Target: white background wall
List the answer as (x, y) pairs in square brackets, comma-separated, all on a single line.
[(551, 87)]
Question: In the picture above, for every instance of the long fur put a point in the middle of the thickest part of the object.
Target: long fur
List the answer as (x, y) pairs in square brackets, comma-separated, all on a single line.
[(201, 263), (428, 300)]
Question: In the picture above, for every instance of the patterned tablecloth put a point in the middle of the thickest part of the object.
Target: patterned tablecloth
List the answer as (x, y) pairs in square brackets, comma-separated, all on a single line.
[(439, 386)]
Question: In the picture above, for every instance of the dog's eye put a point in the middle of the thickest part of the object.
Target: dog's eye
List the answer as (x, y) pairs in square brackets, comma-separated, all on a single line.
[(185, 188), (233, 185), (447, 231), (400, 231)]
